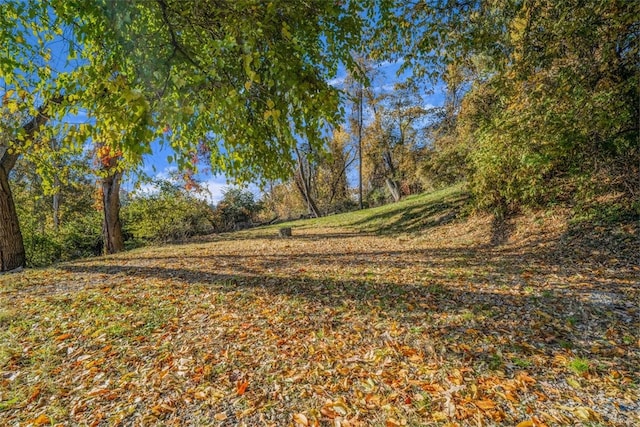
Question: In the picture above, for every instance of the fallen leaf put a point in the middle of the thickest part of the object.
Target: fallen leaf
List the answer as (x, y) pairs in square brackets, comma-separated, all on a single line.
[(585, 414), (34, 395), (334, 409), (63, 337), (300, 420), (485, 404), (41, 420), (439, 416), (163, 408), (241, 387)]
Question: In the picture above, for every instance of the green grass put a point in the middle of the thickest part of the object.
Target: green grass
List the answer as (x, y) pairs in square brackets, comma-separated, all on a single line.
[(410, 214), (579, 365)]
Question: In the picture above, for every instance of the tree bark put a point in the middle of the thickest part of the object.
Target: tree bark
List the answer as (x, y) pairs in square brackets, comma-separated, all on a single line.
[(393, 189), (360, 124), (56, 211), (304, 186), (392, 184), (111, 226), (12, 254)]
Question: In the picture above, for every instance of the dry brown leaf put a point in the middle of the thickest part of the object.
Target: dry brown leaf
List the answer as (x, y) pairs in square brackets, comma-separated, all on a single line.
[(300, 420), (42, 419), (485, 404), (63, 337)]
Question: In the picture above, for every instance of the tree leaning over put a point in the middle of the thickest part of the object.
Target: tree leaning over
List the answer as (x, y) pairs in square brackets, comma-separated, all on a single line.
[(239, 80)]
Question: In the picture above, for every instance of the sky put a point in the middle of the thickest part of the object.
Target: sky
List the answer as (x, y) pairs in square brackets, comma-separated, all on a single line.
[(157, 166)]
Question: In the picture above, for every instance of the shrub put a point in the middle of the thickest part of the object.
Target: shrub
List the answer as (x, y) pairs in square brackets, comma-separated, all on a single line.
[(237, 206), (167, 215)]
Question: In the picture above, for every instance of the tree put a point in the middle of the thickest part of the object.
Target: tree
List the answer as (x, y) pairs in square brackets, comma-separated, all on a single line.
[(392, 144), (304, 177), (246, 78), (111, 178), (237, 209), (53, 194), (12, 252), (333, 188), (564, 79), (360, 94)]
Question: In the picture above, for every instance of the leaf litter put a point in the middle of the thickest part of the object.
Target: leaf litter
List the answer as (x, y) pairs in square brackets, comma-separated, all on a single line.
[(333, 326)]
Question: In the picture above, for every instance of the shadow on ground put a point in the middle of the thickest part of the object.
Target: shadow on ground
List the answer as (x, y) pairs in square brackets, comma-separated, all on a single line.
[(416, 218)]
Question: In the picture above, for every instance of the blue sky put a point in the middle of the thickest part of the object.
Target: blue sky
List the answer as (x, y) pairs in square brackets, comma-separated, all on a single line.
[(157, 166)]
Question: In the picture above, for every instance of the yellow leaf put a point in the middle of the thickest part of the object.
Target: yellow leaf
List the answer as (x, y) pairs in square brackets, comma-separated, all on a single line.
[(8, 94), (486, 404), (333, 410), (585, 414), (527, 423), (162, 408), (41, 420), (247, 85), (12, 106), (573, 383), (220, 416), (439, 416)]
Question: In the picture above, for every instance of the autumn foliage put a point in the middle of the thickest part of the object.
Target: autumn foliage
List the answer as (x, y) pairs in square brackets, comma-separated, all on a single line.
[(337, 325)]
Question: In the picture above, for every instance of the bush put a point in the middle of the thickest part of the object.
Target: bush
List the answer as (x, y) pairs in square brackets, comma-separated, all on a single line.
[(238, 206), (81, 237), (168, 215), (41, 249)]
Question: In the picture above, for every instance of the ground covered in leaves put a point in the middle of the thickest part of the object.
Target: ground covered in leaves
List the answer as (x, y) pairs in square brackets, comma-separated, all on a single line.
[(458, 322)]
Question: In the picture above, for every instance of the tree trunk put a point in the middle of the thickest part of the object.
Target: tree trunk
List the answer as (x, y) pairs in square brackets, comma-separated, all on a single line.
[(56, 211), (360, 123), (304, 186), (56, 146), (393, 189), (12, 254), (111, 226)]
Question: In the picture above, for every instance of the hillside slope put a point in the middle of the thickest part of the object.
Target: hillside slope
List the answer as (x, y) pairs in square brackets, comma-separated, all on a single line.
[(409, 314)]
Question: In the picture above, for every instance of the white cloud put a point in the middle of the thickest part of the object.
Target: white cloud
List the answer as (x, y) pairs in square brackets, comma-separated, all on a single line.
[(168, 174), (337, 81), (213, 190), (383, 64), (147, 189), (389, 87)]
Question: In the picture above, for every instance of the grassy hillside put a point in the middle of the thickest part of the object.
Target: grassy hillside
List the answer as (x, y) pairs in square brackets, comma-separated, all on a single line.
[(411, 214), (409, 314)]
